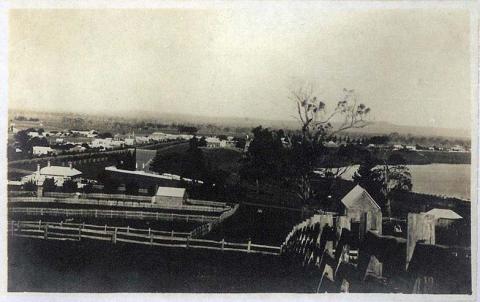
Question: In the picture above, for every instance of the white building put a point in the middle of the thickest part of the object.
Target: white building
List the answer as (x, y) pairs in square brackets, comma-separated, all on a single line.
[(58, 173), (129, 141), (158, 136), (40, 150), (170, 196), (457, 148), (330, 144), (33, 134), (106, 143), (411, 148), (142, 139), (87, 133), (213, 142)]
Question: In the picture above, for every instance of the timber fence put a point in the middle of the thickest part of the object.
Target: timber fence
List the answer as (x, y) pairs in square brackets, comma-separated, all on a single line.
[(207, 228), (117, 203), (111, 214), (77, 232)]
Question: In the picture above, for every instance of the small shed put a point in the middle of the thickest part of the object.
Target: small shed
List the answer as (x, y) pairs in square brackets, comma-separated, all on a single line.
[(444, 217), (358, 205), (170, 196)]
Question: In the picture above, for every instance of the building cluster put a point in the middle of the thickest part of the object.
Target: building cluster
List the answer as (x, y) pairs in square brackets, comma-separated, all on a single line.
[(349, 251)]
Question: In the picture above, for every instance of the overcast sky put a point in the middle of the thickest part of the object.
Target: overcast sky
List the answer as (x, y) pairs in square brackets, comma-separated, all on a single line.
[(410, 66)]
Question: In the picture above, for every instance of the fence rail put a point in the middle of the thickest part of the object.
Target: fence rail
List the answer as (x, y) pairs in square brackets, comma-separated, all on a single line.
[(112, 214), (118, 203), (207, 228), (77, 232)]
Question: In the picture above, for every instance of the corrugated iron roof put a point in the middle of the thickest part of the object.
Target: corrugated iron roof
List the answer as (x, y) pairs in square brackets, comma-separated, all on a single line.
[(444, 213), (170, 192), (355, 195), (59, 171)]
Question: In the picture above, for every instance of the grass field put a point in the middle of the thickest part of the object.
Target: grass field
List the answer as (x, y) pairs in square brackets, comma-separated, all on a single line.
[(88, 266)]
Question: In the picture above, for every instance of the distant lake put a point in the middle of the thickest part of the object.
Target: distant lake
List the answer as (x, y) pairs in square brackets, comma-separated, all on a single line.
[(436, 179)]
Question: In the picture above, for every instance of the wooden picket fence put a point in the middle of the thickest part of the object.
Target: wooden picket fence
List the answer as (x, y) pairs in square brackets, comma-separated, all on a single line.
[(77, 232)]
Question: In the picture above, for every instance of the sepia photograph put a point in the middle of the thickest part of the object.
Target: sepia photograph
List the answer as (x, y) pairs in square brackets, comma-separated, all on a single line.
[(249, 147)]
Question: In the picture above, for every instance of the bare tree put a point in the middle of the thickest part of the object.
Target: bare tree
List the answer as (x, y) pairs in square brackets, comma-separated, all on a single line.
[(317, 122), (319, 125)]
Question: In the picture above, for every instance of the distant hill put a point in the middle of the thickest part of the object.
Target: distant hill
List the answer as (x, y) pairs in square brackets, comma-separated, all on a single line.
[(386, 128), (375, 128)]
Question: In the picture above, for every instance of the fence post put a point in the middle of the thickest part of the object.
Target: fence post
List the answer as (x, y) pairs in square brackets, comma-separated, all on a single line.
[(45, 234), (171, 233), (223, 243), (114, 236), (79, 233), (151, 236), (96, 213), (39, 224), (188, 241), (249, 246), (128, 229), (105, 228), (13, 227), (41, 211)]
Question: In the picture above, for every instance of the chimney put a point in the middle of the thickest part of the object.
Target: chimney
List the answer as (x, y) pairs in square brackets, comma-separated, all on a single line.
[(70, 165), (48, 163)]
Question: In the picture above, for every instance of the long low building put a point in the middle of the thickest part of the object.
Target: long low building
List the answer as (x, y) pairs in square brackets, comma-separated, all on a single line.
[(147, 179)]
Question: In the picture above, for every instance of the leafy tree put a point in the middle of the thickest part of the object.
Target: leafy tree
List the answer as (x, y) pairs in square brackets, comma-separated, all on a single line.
[(367, 176), (49, 185), (105, 135), (152, 190), (38, 141), (22, 139), (222, 137), (110, 185), (240, 142), (30, 186), (170, 162), (87, 188), (379, 140), (202, 142), (187, 129), (132, 188), (193, 163), (396, 159), (393, 179), (69, 186), (128, 161), (264, 157)]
